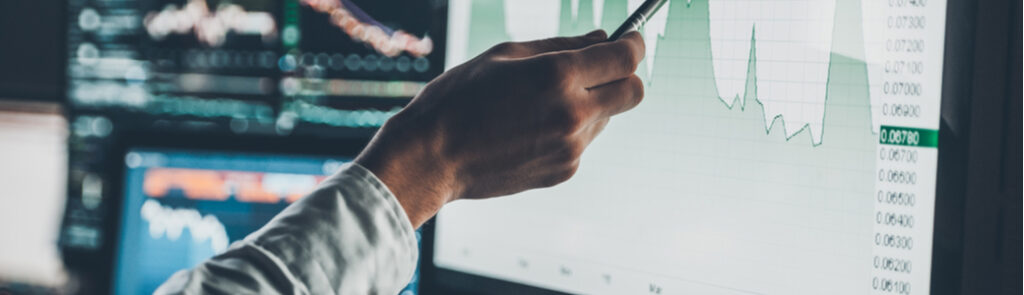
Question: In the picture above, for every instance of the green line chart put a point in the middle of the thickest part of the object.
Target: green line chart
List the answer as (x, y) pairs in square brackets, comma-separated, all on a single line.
[(791, 92), (780, 145)]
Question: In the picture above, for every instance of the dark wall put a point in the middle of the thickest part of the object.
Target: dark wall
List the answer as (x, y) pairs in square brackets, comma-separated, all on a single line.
[(992, 223), (31, 49)]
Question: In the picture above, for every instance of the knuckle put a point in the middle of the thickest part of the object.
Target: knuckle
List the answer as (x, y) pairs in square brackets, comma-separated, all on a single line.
[(503, 47), (561, 176), (574, 149), (551, 73), (563, 155), (559, 65), (568, 152), (550, 181), (600, 125), (567, 118), (638, 39), (638, 88), (557, 42), (631, 63), (568, 172)]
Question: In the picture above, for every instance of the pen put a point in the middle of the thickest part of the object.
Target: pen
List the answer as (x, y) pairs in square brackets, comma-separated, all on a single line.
[(638, 18)]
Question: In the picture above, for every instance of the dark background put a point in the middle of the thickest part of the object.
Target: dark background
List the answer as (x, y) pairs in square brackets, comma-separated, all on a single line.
[(32, 49), (984, 218)]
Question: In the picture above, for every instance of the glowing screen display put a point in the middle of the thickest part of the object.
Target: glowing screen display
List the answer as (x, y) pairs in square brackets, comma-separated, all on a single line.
[(783, 147)]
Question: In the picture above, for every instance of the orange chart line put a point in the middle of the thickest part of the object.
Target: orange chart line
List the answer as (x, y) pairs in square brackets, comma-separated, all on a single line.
[(385, 40)]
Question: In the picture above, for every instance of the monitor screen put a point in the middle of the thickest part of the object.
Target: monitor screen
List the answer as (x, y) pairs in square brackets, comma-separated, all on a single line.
[(342, 63), (183, 207), (782, 147)]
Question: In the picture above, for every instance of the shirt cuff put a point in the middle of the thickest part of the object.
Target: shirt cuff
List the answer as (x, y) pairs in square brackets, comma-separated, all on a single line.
[(349, 236), (359, 172)]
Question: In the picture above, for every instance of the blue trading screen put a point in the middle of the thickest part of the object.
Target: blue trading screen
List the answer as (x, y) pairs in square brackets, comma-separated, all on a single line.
[(181, 208)]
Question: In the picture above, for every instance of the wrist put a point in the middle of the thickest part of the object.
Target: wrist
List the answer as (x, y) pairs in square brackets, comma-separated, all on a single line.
[(406, 160)]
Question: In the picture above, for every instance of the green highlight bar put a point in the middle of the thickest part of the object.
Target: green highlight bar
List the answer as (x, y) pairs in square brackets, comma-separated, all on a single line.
[(290, 30), (906, 136)]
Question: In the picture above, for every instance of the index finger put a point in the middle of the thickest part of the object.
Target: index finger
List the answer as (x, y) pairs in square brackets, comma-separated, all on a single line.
[(606, 62)]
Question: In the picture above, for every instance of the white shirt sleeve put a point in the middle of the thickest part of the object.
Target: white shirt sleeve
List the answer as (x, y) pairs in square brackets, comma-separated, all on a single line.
[(350, 236)]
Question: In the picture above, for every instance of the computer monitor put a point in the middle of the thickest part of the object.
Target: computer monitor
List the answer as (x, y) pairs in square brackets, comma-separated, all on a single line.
[(182, 207), (339, 63), (782, 147), (318, 71)]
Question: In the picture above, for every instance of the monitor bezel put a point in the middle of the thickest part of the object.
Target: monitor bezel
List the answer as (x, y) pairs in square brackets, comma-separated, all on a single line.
[(947, 250)]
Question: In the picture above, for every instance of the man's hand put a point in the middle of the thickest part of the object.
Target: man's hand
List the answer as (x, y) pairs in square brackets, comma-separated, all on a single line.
[(517, 117)]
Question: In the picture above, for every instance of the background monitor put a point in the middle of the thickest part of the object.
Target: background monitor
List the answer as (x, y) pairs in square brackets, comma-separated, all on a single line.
[(262, 63), (782, 147), (182, 207), (274, 77)]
